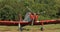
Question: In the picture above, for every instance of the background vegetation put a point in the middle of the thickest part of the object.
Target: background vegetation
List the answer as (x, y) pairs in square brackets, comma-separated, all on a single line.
[(10, 9)]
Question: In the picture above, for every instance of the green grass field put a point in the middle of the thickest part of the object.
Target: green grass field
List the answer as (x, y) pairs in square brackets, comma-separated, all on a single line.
[(35, 28)]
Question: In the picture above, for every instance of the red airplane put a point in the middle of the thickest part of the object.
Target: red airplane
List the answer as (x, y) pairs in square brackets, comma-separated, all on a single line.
[(30, 19)]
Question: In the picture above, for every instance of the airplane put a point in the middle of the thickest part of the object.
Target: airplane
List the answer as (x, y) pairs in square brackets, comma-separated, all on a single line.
[(29, 21)]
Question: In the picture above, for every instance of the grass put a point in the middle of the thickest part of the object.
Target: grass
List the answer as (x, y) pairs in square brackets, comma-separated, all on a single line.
[(35, 28)]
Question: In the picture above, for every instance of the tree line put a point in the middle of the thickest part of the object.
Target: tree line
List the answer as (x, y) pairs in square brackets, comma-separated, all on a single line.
[(48, 9)]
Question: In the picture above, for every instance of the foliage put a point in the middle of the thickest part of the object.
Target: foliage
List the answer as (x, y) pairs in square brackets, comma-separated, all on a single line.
[(10, 9)]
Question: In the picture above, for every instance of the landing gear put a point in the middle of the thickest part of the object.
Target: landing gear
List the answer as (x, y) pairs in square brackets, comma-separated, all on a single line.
[(42, 29), (20, 28)]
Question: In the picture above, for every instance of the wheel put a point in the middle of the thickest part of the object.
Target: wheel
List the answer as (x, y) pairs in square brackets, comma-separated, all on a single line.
[(42, 29)]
